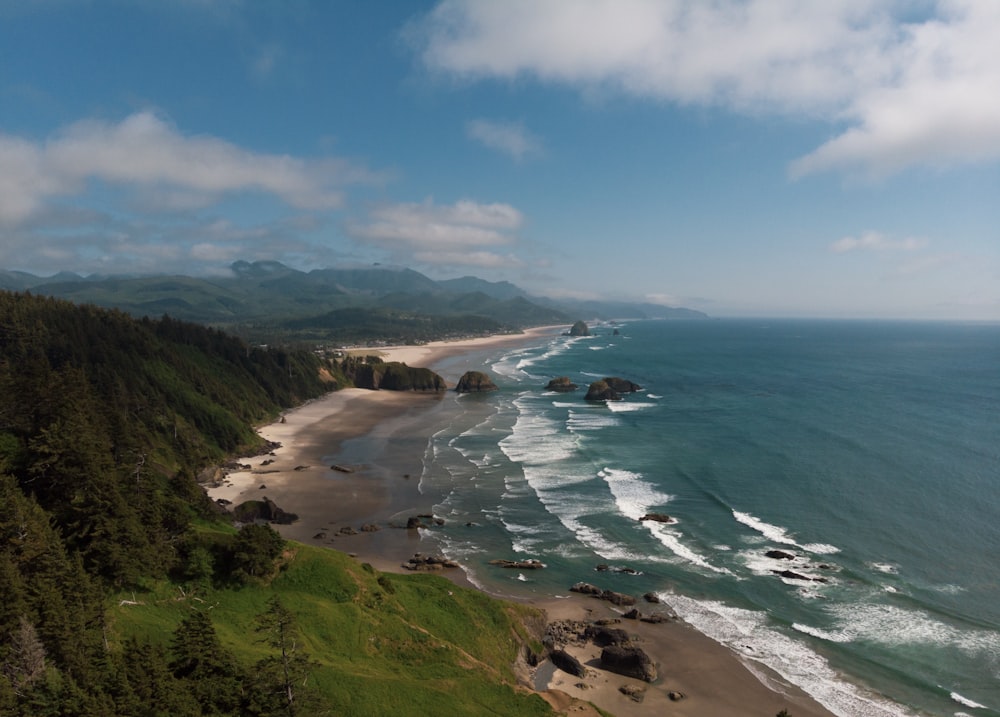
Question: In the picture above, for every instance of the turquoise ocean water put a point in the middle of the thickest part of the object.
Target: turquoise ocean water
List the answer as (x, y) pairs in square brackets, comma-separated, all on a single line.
[(868, 450)]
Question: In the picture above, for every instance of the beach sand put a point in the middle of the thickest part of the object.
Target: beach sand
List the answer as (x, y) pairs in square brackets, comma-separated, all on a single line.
[(377, 439)]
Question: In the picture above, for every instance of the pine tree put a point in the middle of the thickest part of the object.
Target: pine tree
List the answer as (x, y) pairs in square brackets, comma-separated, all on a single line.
[(280, 678), (207, 668)]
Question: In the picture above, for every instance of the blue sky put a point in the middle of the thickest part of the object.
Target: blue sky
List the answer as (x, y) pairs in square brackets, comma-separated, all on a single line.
[(745, 158)]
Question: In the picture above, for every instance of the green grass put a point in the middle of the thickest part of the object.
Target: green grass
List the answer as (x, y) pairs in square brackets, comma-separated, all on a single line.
[(383, 643)]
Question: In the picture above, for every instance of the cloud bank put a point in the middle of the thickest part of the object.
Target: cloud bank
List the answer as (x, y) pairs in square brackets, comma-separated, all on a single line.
[(465, 233), (143, 152), (904, 84)]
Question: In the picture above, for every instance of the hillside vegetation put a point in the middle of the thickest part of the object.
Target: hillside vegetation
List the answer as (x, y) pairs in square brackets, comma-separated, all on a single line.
[(126, 593)]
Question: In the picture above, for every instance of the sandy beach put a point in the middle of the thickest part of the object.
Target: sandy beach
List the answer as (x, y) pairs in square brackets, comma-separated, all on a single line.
[(376, 441)]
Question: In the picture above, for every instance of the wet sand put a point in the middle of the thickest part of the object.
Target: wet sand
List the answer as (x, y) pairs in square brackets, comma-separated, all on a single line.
[(377, 440)]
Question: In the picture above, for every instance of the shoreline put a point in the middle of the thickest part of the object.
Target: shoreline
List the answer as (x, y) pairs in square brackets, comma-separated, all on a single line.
[(379, 437)]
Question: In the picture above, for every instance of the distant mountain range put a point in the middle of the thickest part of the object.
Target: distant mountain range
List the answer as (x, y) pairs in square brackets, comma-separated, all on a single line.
[(268, 300)]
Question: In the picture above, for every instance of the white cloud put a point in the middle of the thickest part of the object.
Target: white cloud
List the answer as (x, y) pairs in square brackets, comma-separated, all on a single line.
[(876, 241), (663, 299), (428, 226), (911, 90), (143, 153), (480, 259), (508, 137), (459, 234)]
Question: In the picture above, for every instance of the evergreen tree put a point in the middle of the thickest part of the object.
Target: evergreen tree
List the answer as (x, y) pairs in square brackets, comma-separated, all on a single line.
[(207, 669), (280, 679), (255, 550)]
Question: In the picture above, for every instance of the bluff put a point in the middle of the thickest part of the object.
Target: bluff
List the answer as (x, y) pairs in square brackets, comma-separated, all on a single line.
[(375, 374)]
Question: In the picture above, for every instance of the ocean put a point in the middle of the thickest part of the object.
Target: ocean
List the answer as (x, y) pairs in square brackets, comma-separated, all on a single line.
[(867, 451)]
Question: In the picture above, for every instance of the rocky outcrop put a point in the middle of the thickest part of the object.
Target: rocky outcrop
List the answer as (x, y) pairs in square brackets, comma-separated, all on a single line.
[(610, 595), (580, 328), (601, 391), (567, 663), (658, 518), (792, 575), (419, 561), (586, 589), (380, 375), (780, 555), (561, 384), (603, 636), (610, 388), (529, 564), (622, 385), (629, 661), (266, 509), (475, 382)]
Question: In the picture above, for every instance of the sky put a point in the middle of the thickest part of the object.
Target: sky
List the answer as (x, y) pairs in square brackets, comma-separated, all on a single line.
[(741, 157)]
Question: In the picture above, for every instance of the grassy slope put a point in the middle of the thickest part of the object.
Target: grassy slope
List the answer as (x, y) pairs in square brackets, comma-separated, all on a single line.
[(384, 643)]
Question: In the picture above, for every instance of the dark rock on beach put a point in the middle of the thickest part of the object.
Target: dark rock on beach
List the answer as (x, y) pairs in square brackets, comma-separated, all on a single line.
[(629, 661), (266, 510), (603, 636), (567, 663), (586, 589)]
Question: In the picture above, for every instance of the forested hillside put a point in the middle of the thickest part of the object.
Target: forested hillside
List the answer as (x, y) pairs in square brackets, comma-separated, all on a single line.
[(125, 592), (104, 421)]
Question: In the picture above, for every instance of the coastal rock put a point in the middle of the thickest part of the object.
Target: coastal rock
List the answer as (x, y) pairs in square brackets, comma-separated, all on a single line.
[(580, 328), (616, 598), (475, 382), (616, 332), (651, 597), (633, 692), (604, 636), (530, 564), (632, 614), (266, 510), (792, 575), (429, 562), (604, 567), (657, 517), (780, 555), (373, 373), (601, 391), (629, 661), (341, 469), (654, 619), (586, 589), (622, 385), (567, 663), (561, 384)]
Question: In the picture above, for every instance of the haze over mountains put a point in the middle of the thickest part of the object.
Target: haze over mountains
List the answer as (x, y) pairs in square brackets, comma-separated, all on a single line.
[(347, 304)]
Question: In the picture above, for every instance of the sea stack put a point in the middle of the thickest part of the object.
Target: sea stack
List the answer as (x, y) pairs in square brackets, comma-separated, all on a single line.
[(579, 329), (561, 384), (475, 382)]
